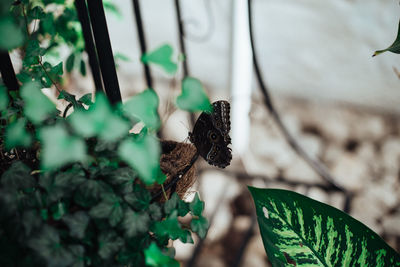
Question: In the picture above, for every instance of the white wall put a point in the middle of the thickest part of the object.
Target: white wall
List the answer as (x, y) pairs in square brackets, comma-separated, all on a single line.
[(307, 48)]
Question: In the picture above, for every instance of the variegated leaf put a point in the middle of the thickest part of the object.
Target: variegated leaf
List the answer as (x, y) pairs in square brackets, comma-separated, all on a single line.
[(299, 231)]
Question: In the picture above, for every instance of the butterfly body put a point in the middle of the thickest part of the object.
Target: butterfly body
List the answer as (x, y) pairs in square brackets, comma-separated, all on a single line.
[(211, 135)]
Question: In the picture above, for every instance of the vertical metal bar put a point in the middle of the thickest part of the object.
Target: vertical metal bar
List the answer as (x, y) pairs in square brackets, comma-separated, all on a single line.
[(181, 37), (7, 72), (90, 48), (142, 41), (104, 50)]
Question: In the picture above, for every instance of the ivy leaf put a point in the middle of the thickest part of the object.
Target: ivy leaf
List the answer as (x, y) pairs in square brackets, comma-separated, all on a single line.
[(143, 154), (196, 206), (82, 67), (135, 223), (109, 244), (162, 57), (86, 99), (59, 210), (3, 98), (139, 199), (36, 13), (15, 36), (298, 230), (37, 106), (47, 244), (16, 135), (193, 97), (110, 208), (18, 177), (89, 193), (395, 47), (143, 106), (155, 212), (77, 223), (99, 120), (175, 203), (70, 98), (200, 226), (31, 221), (171, 228), (155, 257), (69, 64), (60, 148)]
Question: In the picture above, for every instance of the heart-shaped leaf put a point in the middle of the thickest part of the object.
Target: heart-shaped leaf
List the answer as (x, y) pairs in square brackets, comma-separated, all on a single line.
[(37, 105), (156, 258), (162, 57), (395, 47), (193, 97), (59, 148), (297, 230), (17, 135), (143, 154), (12, 35), (99, 120), (144, 106)]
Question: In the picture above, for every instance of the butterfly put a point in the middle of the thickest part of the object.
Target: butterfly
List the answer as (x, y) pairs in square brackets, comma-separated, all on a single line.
[(211, 135)]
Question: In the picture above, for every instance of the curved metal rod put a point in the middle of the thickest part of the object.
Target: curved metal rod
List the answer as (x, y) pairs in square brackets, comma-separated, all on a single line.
[(315, 164)]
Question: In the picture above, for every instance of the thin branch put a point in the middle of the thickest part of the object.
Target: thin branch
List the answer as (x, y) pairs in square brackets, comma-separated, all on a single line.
[(181, 37), (315, 164)]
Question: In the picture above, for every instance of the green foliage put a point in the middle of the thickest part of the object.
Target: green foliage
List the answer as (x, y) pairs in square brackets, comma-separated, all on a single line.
[(193, 97), (395, 47), (143, 107), (75, 191), (162, 57), (297, 230)]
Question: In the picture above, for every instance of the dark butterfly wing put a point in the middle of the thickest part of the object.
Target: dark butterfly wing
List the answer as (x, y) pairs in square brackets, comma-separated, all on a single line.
[(211, 135)]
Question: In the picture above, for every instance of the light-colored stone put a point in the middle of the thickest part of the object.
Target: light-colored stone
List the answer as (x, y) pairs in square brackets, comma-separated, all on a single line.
[(242, 223), (210, 260), (318, 194), (337, 200), (184, 251), (259, 166), (391, 154), (300, 171), (350, 172), (391, 224), (365, 209), (255, 255), (311, 144), (370, 127)]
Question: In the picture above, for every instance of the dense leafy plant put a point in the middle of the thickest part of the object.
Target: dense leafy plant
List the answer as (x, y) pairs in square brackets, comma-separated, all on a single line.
[(75, 191)]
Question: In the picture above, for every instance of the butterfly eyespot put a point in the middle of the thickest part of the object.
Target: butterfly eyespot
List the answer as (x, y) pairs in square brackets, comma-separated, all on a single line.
[(217, 148), (213, 136)]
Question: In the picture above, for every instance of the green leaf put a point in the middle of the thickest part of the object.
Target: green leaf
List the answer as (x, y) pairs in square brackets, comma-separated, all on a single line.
[(162, 57), (82, 67), (171, 228), (16, 135), (60, 148), (36, 13), (143, 154), (99, 120), (175, 203), (47, 244), (31, 221), (193, 97), (395, 47), (144, 106), (139, 199), (109, 244), (59, 210), (89, 193), (110, 208), (200, 226), (155, 212), (155, 257), (15, 36), (69, 65), (70, 98), (86, 99), (298, 230), (37, 106), (112, 8), (135, 223), (196, 206), (77, 223), (3, 98), (18, 177)]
